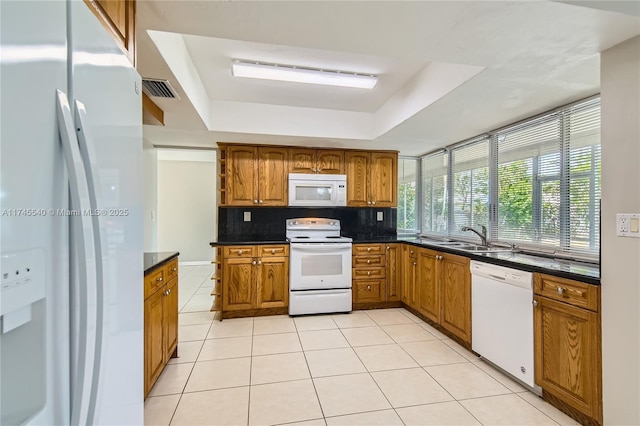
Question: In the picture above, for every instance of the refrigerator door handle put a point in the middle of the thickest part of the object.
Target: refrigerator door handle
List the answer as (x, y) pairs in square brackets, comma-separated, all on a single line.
[(93, 182), (85, 260)]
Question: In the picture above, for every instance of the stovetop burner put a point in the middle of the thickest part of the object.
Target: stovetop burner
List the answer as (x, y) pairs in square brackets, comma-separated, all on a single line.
[(315, 230)]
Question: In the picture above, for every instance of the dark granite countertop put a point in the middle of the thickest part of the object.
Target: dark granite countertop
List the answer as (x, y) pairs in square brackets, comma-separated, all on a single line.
[(154, 259), (580, 271)]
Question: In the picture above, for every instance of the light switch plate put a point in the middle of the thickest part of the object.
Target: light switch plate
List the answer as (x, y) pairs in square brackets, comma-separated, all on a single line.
[(379, 216), (247, 216), (627, 225)]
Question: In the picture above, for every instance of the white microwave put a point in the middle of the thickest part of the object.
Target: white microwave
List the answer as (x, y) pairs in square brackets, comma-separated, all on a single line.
[(309, 190)]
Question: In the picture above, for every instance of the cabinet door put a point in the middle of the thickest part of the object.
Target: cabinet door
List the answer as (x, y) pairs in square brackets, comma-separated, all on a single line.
[(410, 272), (358, 171), (118, 17), (273, 282), (302, 160), (242, 182), (154, 342), (455, 279), (238, 284), (171, 317), (273, 178), (393, 271), (384, 179), (567, 354), (330, 162), (428, 286)]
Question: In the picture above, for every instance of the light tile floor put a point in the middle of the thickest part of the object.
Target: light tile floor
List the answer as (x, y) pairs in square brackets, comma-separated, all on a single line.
[(382, 367)]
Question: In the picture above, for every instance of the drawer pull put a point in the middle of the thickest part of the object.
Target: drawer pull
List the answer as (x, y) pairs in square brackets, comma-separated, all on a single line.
[(535, 303), (368, 272), (239, 251), (368, 260), (388, 247), (368, 288), (273, 251), (368, 248), (560, 290), (159, 279), (254, 262), (259, 262), (174, 269)]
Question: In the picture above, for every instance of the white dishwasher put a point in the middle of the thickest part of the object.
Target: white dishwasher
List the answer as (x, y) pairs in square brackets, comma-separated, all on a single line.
[(502, 318)]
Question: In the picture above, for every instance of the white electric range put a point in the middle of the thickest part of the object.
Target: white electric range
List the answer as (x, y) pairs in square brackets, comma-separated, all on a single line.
[(319, 266)]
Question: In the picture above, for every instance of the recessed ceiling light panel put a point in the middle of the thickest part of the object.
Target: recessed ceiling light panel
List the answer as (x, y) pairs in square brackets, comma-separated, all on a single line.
[(302, 75)]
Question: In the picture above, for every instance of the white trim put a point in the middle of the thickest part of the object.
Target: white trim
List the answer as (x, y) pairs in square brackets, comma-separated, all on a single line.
[(196, 263)]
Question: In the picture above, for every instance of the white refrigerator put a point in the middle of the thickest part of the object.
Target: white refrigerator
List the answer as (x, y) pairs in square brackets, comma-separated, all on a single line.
[(71, 303)]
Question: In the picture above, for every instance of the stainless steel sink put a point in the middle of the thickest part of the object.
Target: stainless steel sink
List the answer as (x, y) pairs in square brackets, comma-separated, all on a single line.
[(482, 249)]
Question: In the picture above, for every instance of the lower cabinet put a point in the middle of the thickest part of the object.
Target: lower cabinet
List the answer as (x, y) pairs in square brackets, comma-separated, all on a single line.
[(376, 274), (394, 272), (160, 321), (410, 276), (567, 345), (428, 284), (254, 277)]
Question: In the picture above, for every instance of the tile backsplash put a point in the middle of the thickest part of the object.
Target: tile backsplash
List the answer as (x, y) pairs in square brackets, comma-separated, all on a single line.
[(268, 223)]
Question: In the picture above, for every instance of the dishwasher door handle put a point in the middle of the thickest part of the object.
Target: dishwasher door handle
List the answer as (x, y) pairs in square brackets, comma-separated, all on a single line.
[(497, 277)]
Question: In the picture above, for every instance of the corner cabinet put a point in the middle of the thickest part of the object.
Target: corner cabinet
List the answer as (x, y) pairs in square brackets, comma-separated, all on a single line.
[(372, 178), (254, 280), (160, 321), (255, 176), (119, 18), (568, 346)]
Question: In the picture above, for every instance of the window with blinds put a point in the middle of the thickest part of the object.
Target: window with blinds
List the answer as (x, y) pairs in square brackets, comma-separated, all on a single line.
[(534, 183), (407, 195), (435, 213)]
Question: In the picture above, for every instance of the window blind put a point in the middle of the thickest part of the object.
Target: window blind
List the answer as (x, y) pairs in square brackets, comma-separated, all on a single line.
[(407, 201), (470, 186), (434, 193)]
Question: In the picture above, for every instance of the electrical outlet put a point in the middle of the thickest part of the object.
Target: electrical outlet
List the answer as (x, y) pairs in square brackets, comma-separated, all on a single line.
[(627, 225), (379, 216), (247, 216)]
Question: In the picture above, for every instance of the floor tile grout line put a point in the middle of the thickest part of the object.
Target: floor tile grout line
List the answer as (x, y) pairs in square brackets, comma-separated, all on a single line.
[(175, 410), (253, 325), (313, 383), (552, 419)]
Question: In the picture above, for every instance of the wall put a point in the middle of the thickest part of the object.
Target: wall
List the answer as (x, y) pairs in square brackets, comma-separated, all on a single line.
[(620, 90), (186, 203), (150, 188)]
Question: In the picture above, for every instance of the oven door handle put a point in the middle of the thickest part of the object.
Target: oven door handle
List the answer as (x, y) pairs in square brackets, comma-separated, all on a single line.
[(321, 247)]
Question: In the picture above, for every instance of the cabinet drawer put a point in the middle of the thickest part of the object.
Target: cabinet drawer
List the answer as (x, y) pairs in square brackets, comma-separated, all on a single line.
[(368, 291), (273, 250), (368, 273), (171, 270), (240, 251), (412, 252), (368, 261), (368, 249), (569, 291), (153, 281)]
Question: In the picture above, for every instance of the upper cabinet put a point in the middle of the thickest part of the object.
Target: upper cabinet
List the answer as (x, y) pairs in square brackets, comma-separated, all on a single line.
[(323, 161), (372, 178), (119, 18), (255, 176)]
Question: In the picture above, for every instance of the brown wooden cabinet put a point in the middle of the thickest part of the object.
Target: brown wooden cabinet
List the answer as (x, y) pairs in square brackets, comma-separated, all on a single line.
[(119, 18), (323, 161), (394, 272), (253, 278), (410, 276), (368, 273), (567, 345), (256, 176), (160, 321), (372, 178), (455, 286), (428, 284)]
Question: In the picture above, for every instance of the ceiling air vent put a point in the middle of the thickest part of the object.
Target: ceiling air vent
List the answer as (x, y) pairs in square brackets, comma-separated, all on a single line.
[(158, 88)]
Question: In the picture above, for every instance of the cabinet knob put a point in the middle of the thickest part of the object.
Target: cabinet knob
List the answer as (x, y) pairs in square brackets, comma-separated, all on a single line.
[(159, 279), (255, 201), (414, 263), (259, 262), (239, 251), (369, 287), (561, 290), (411, 251), (535, 303), (319, 170), (373, 202), (388, 247), (260, 202), (314, 170), (273, 251), (368, 260), (254, 262), (368, 272), (168, 292), (174, 269), (368, 248), (369, 202)]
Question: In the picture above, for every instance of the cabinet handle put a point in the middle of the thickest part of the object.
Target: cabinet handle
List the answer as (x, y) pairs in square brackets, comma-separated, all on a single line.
[(314, 170), (388, 247), (159, 279), (368, 272), (319, 170), (560, 290), (168, 292), (368, 260), (239, 251), (369, 288), (273, 251), (369, 202), (373, 202), (174, 269), (535, 303), (255, 201), (411, 251), (368, 248), (253, 263), (260, 202), (414, 263), (259, 262)]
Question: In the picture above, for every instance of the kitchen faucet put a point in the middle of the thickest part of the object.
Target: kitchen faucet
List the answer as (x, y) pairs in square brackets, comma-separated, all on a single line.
[(482, 235)]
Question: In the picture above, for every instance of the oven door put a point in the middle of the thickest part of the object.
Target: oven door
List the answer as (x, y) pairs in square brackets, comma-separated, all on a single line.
[(319, 266)]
